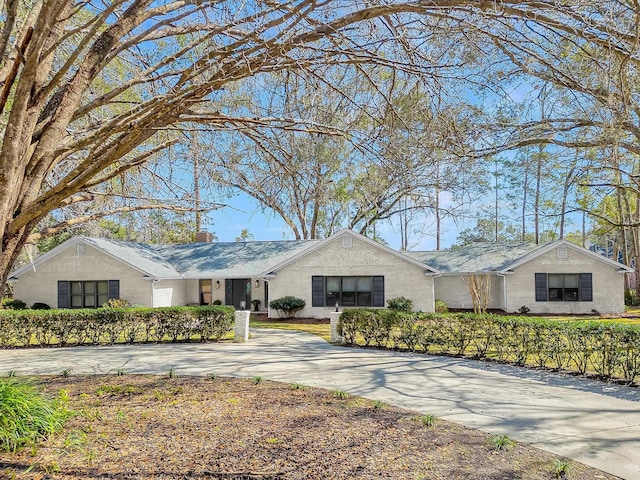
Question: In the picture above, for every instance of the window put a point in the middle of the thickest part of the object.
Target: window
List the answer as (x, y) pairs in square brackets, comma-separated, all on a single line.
[(87, 294), (352, 291), (564, 287)]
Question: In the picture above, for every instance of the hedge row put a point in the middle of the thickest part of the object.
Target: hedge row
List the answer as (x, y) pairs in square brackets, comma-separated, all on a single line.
[(607, 349), (113, 325)]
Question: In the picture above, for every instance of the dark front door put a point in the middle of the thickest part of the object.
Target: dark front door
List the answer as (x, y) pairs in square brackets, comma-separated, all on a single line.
[(238, 293)]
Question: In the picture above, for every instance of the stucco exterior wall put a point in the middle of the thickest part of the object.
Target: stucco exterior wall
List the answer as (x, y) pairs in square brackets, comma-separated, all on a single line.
[(608, 285), (70, 264), (452, 289), (361, 259)]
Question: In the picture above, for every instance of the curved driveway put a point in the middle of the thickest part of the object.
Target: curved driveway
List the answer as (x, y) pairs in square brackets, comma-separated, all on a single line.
[(592, 422)]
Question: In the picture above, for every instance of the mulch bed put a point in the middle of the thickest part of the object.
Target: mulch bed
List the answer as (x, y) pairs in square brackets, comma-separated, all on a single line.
[(154, 427)]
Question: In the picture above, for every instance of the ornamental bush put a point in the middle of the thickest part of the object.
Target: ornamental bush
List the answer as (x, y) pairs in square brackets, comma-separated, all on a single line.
[(606, 349), (13, 304), (400, 304), (288, 306), (113, 325)]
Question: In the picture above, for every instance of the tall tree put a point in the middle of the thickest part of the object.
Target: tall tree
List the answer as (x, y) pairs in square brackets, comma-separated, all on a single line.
[(89, 92)]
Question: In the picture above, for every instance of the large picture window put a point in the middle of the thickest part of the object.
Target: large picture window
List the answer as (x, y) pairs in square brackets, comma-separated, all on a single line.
[(87, 293), (348, 291), (564, 287)]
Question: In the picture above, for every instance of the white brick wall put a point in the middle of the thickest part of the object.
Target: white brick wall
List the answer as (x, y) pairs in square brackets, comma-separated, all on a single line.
[(42, 285), (608, 285), (362, 259)]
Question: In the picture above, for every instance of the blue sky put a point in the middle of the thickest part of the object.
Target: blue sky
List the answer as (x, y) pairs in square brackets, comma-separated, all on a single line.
[(244, 212)]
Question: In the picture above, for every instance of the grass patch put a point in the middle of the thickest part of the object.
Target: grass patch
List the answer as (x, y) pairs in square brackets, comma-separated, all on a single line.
[(322, 330), (26, 415)]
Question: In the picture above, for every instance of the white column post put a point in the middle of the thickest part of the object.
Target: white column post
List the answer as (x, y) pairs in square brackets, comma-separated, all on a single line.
[(241, 328), (334, 318)]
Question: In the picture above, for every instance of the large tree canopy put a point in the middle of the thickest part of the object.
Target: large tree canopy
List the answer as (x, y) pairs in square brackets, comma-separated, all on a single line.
[(90, 91)]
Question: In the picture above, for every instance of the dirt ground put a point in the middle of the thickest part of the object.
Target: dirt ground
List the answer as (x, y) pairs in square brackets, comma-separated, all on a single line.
[(152, 427)]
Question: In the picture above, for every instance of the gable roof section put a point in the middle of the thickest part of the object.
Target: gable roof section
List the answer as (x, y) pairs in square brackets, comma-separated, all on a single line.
[(231, 259), (320, 243), (476, 257), (138, 256), (499, 257), (193, 260), (622, 268)]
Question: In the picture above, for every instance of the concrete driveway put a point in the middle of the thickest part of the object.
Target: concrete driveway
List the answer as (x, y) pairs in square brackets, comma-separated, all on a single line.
[(592, 422)]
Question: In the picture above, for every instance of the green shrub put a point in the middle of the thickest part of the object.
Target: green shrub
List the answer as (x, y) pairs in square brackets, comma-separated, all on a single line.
[(40, 306), (288, 306), (13, 304), (400, 304), (26, 416), (441, 306), (113, 325), (117, 303), (608, 349)]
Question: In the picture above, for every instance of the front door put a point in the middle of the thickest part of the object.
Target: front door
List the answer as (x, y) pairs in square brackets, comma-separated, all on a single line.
[(238, 293)]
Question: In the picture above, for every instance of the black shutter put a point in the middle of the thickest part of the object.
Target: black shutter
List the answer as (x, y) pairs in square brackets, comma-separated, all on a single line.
[(541, 287), (114, 289), (317, 291), (586, 287), (378, 291), (228, 292), (63, 294)]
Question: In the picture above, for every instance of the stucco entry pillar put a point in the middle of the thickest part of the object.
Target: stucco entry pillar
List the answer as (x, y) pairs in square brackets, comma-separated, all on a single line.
[(241, 328), (334, 318)]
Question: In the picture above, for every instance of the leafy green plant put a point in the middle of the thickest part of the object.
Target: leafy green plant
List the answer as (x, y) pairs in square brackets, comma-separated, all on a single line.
[(13, 304), (427, 420), (117, 303), (523, 310), (66, 373), (120, 372), (213, 376), (502, 442), (26, 416), (341, 394), (298, 386), (40, 306), (75, 440), (379, 405), (441, 306), (561, 468), (257, 380), (172, 373), (288, 306), (400, 304)]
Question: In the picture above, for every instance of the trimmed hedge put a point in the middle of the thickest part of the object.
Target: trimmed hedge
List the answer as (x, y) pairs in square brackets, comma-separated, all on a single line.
[(113, 325), (608, 349)]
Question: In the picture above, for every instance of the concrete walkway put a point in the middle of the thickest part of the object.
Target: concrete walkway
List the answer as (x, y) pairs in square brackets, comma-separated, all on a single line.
[(592, 422)]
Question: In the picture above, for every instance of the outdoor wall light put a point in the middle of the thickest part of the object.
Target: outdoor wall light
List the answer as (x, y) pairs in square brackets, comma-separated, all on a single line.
[(217, 284), (257, 283), (337, 306)]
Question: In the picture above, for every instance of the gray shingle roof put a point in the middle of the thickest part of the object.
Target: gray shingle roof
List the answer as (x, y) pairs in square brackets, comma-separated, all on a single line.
[(477, 257), (231, 259), (139, 255)]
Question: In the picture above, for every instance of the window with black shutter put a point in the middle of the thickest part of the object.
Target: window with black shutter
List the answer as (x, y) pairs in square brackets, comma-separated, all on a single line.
[(348, 291), (563, 287), (86, 293)]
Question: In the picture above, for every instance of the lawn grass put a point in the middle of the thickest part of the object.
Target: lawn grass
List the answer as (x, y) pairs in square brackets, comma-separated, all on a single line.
[(322, 330)]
